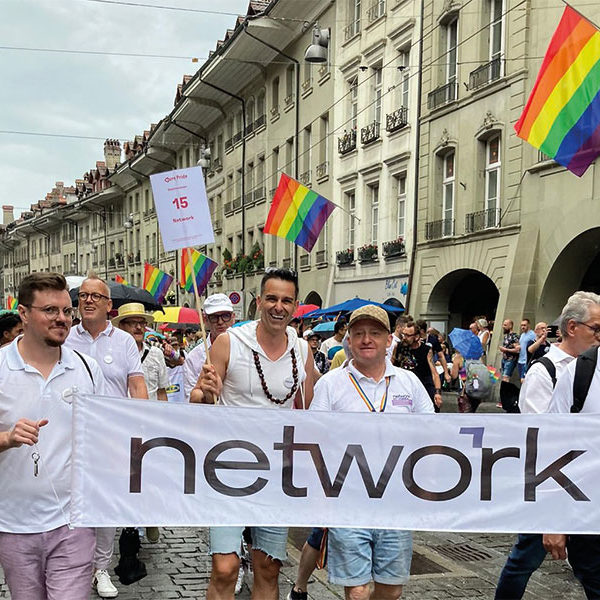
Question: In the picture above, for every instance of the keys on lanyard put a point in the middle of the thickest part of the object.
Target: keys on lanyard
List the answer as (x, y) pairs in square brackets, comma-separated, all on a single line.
[(36, 458)]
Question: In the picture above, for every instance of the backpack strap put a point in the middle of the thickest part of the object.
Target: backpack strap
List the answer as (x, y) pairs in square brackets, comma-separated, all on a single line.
[(584, 372), (146, 350), (549, 365), (87, 368)]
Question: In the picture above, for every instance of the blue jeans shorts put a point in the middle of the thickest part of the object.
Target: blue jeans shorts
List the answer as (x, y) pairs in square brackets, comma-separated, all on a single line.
[(315, 538), (357, 556), (508, 367), (270, 540), (522, 370)]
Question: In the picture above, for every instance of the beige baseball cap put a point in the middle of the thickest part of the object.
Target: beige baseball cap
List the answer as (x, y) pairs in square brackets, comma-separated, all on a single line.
[(370, 311)]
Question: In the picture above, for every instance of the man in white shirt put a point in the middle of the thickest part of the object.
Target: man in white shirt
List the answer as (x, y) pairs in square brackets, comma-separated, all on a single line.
[(41, 556), (578, 323), (370, 382), (118, 357), (218, 311), (339, 331)]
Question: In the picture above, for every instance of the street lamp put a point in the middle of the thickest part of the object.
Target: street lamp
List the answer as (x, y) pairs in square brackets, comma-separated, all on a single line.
[(317, 51)]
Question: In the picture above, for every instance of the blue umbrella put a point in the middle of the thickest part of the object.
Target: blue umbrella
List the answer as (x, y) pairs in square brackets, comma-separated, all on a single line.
[(349, 306), (467, 343), (322, 327)]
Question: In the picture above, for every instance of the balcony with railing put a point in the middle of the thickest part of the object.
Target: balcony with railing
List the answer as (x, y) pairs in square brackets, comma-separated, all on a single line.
[(351, 30), (305, 178), (347, 142), (228, 144), (249, 129), (237, 203), (237, 137), (376, 10), (485, 74), (370, 133), (249, 198), (396, 120), (260, 121), (442, 95), (228, 208), (435, 230), (483, 219), (217, 164), (322, 170), (260, 194)]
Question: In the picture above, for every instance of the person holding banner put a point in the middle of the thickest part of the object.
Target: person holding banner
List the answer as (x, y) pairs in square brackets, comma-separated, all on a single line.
[(260, 364), (42, 556), (370, 382), (119, 360)]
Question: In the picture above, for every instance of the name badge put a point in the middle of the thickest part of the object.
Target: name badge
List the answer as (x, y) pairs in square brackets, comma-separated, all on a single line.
[(108, 359), (288, 382)]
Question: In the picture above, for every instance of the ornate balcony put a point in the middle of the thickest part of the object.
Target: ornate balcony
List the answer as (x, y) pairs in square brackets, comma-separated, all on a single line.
[(347, 142), (442, 95), (249, 128), (351, 30), (485, 74), (370, 133), (322, 170), (260, 121), (228, 144), (435, 230), (237, 137), (396, 120), (376, 10), (304, 178), (483, 219)]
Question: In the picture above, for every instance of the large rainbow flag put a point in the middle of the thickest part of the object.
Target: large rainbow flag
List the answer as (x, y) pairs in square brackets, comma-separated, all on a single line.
[(157, 282), (297, 213), (11, 303), (562, 115), (203, 268)]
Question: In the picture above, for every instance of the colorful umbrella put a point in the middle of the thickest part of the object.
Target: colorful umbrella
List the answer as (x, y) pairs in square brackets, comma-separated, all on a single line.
[(303, 309), (177, 314)]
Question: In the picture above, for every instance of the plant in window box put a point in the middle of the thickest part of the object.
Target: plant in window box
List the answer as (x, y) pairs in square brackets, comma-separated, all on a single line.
[(228, 263), (345, 257), (367, 253), (394, 248)]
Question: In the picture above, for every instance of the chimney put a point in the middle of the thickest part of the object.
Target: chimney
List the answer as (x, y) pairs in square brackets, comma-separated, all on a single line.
[(112, 153), (8, 215)]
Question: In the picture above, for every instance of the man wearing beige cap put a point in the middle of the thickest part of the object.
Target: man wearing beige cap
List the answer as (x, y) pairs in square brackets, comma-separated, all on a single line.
[(370, 383), (134, 319)]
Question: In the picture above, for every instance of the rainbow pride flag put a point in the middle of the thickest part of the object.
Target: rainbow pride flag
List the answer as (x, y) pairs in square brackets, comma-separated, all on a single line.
[(156, 282), (203, 267), (119, 279), (11, 303), (297, 213), (494, 374), (562, 114)]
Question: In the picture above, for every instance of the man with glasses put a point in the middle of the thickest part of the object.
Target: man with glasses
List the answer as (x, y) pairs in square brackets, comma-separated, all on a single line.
[(579, 324), (118, 357), (218, 314), (41, 555)]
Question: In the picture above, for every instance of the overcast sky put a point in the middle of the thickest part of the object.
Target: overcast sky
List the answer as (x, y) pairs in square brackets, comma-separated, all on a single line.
[(85, 95)]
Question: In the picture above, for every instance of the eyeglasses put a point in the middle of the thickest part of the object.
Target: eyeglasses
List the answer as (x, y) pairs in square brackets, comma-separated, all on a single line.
[(137, 324), (52, 312), (95, 296), (595, 329), (223, 317)]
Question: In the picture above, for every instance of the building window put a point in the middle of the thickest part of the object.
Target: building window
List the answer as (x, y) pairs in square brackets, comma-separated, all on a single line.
[(374, 197), (275, 169), (452, 51), (377, 92), (275, 96), (354, 11), (448, 194), (404, 77), (496, 38), (400, 204), (289, 84), (351, 213), (492, 179), (353, 102)]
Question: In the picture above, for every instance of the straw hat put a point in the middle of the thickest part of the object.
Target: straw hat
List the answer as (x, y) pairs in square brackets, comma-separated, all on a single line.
[(132, 309)]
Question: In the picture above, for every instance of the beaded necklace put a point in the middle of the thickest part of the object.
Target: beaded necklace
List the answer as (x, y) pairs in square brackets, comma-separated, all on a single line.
[(263, 383)]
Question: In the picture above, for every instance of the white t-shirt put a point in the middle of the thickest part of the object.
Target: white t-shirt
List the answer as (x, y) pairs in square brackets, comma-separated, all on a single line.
[(28, 502), (194, 361), (328, 344), (562, 399), (155, 370), (406, 394), (115, 351), (536, 391)]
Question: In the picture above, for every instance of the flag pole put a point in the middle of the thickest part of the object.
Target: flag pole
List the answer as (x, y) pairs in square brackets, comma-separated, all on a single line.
[(580, 14), (197, 295)]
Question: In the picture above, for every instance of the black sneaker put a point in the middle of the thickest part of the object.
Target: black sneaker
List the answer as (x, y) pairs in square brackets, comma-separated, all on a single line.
[(294, 595)]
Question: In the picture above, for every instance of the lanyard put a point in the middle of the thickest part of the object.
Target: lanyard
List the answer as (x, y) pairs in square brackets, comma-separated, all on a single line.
[(364, 397)]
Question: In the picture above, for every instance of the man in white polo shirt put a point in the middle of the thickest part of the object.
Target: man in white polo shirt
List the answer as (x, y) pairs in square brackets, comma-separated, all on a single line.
[(218, 312), (118, 357), (370, 382), (41, 556)]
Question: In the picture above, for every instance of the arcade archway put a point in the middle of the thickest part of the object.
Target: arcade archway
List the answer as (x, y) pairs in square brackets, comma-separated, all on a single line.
[(314, 298)]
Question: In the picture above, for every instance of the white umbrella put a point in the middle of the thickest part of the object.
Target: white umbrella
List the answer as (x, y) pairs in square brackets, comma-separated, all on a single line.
[(74, 281)]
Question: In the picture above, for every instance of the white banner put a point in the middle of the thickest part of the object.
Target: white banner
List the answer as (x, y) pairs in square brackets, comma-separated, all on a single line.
[(182, 208), (141, 462)]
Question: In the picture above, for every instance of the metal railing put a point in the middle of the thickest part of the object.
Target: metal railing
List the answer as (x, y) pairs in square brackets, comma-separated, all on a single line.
[(260, 121), (260, 194), (434, 230), (237, 203), (217, 164), (228, 208), (376, 10), (249, 128), (351, 30), (228, 144), (322, 169), (248, 198), (483, 219), (396, 120), (442, 95), (304, 178), (370, 133), (485, 74), (237, 137), (347, 142)]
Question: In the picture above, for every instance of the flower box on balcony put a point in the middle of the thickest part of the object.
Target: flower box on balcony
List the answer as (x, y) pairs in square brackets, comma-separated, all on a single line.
[(345, 257), (367, 253), (394, 248)]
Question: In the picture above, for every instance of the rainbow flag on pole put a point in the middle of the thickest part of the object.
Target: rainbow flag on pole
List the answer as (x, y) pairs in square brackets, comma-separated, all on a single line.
[(562, 115), (119, 279), (11, 303), (297, 213), (203, 267), (156, 282)]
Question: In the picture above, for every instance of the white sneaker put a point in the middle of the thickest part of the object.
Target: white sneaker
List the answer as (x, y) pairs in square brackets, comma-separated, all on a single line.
[(240, 579), (103, 584)]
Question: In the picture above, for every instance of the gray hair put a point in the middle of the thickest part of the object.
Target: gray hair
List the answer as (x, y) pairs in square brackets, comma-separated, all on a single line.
[(577, 309), (482, 323)]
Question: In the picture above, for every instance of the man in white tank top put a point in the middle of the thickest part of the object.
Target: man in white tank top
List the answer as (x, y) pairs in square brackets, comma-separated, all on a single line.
[(260, 364)]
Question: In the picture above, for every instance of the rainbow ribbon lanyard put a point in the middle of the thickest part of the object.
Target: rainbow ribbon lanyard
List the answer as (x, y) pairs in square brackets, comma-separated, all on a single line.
[(364, 397)]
